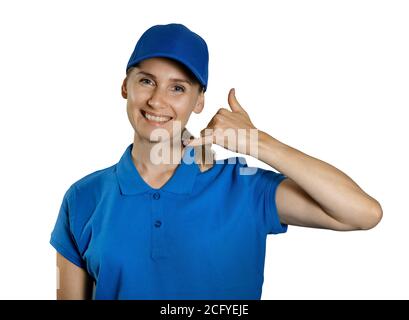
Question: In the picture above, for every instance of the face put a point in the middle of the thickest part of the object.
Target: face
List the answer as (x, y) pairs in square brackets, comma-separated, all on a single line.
[(160, 93)]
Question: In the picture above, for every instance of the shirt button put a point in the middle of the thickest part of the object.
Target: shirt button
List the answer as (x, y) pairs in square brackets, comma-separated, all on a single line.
[(156, 195), (158, 223)]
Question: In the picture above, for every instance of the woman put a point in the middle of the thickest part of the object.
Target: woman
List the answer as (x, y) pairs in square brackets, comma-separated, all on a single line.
[(169, 222)]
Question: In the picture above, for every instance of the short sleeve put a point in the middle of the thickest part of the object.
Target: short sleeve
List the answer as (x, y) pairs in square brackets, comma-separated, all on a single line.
[(263, 185), (62, 237), (270, 215)]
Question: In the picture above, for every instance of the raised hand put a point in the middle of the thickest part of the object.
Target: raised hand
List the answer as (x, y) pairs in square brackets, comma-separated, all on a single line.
[(232, 130)]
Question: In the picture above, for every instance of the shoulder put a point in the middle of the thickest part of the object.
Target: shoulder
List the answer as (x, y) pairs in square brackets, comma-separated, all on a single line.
[(83, 195), (237, 170), (95, 180), (239, 166), (90, 186), (251, 176)]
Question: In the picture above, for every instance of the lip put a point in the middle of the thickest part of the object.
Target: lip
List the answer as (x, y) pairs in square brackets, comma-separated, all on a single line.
[(155, 115)]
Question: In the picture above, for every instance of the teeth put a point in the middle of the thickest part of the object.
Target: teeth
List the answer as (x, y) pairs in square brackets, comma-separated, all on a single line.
[(156, 119)]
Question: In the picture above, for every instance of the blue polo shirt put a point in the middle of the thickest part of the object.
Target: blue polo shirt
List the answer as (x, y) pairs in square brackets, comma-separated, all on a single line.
[(200, 236)]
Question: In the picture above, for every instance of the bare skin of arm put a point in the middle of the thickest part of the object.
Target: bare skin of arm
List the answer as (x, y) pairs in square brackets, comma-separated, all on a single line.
[(74, 283), (316, 194)]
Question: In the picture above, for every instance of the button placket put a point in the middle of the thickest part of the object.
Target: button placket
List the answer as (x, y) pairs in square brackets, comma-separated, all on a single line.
[(158, 249)]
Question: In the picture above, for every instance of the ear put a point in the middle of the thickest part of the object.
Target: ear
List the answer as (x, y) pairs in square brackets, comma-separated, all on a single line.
[(200, 103), (124, 92)]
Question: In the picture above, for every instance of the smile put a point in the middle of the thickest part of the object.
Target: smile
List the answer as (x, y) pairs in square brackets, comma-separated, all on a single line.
[(155, 118)]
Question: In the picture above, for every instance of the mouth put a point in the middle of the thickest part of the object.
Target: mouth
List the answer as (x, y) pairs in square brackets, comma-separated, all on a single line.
[(154, 119)]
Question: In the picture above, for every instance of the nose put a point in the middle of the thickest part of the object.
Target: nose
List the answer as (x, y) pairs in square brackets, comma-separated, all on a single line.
[(157, 99)]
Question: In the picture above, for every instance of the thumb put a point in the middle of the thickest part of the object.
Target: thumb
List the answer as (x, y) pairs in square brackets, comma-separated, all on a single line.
[(233, 102)]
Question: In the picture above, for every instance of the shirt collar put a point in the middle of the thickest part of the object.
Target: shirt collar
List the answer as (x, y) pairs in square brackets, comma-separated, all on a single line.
[(182, 181)]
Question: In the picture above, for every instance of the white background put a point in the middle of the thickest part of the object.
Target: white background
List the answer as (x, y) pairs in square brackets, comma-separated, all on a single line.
[(329, 78)]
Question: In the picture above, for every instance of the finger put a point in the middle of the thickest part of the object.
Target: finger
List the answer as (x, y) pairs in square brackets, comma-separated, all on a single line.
[(201, 141), (223, 111), (208, 131), (234, 103)]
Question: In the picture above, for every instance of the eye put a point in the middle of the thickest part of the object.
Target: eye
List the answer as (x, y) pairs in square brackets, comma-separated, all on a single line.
[(145, 81), (179, 89)]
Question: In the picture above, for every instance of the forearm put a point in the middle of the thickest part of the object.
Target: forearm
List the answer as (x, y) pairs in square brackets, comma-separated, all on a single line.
[(337, 194)]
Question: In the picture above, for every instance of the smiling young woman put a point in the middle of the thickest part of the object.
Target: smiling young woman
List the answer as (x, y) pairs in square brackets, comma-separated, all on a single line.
[(183, 229)]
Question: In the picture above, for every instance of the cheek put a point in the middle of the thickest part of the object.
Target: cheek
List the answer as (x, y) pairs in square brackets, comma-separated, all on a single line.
[(131, 116), (132, 110), (183, 108), (135, 98), (133, 103)]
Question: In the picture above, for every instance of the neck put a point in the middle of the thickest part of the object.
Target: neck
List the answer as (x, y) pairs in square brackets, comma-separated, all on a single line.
[(155, 157)]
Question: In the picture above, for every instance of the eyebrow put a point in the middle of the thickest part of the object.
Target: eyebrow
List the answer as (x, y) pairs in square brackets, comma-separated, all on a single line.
[(172, 79)]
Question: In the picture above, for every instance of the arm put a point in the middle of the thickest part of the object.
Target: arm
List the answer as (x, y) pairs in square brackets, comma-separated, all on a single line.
[(74, 283), (316, 194)]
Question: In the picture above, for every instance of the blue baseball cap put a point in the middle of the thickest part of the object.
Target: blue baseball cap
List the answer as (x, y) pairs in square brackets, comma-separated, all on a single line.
[(177, 42)]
